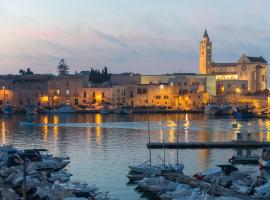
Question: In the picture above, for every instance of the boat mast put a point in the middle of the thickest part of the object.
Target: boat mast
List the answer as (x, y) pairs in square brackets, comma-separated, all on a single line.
[(148, 128), (178, 129), (163, 139)]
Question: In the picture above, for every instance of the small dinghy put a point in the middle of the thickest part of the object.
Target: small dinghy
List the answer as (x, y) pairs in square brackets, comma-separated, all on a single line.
[(240, 159)]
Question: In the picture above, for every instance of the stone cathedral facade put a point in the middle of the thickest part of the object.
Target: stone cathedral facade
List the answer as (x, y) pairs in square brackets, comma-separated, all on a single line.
[(246, 76)]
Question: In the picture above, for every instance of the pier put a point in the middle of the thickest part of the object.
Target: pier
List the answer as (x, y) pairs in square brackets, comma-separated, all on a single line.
[(209, 145)]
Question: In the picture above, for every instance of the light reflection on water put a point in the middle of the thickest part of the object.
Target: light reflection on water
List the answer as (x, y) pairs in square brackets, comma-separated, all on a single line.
[(102, 146)]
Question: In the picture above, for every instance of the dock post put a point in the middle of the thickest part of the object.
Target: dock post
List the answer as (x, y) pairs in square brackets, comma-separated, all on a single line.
[(24, 181)]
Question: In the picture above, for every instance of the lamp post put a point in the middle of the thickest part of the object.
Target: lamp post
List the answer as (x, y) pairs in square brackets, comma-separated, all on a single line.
[(148, 126), (4, 95)]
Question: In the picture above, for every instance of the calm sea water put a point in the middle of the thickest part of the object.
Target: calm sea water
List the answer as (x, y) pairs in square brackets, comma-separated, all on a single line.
[(102, 146)]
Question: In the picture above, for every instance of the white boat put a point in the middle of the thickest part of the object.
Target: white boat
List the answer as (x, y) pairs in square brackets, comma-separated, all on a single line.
[(146, 169), (211, 109), (8, 110), (31, 110), (264, 160), (153, 184), (39, 161), (61, 109)]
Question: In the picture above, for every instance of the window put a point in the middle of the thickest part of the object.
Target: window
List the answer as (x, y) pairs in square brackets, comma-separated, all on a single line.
[(229, 86), (166, 97), (94, 94), (103, 95), (158, 97), (84, 94)]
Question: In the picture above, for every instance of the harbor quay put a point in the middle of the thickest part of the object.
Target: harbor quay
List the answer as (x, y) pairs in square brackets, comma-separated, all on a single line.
[(216, 89)]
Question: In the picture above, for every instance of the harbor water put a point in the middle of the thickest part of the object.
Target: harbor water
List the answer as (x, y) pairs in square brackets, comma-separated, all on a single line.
[(102, 146)]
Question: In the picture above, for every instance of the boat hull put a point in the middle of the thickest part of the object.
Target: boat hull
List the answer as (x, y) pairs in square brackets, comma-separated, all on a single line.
[(243, 115)]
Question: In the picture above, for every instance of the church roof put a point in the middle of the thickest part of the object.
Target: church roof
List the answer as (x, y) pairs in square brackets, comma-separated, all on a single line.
[(205, 35), (257, 59)]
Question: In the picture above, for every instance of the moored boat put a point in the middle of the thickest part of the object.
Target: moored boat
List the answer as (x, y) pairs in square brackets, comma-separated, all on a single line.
[(8, 110), (264, 161), (61, 109), (123, 110), (244, 159), (31, 109), (242, 112), (211, 109)]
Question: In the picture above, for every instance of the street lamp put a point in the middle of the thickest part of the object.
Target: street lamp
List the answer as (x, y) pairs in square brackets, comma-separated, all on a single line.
[(4, 95)]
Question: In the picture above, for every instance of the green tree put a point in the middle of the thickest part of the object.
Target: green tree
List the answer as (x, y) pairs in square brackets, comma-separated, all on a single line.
[(62, 67)]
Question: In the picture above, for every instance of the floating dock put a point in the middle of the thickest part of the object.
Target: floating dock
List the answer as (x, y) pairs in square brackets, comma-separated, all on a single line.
[(209, 145)]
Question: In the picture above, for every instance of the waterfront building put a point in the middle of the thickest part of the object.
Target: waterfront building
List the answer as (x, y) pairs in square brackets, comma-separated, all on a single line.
[(64, 89), (27, 90), (125, 79), (95, 96), (247, 75)]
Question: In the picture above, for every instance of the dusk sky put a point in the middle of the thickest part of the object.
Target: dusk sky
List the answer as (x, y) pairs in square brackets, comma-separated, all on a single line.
[(144, 36)]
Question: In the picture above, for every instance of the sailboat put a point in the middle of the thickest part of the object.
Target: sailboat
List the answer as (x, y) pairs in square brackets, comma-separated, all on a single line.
[(171, 168), (138, 172), (145, 169)]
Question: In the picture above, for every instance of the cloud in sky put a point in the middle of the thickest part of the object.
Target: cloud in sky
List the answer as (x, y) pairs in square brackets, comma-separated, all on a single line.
[(140, 36)]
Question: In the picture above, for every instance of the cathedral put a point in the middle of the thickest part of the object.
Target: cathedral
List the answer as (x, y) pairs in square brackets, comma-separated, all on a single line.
[(246, 76)]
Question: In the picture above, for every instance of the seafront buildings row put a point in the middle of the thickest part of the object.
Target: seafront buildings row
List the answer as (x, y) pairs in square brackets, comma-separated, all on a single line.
[(241, 82)]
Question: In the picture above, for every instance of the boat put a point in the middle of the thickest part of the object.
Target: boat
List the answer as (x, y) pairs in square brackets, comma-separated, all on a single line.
[(244, 159), (135, 176), (216, 171), (211, 109), (225, 109), (123, 110), (145, 168), (264, 161), (31, 110), (153, 184), (40, 161), (8, 110), (242, 112), (61, 109), (105, 109)]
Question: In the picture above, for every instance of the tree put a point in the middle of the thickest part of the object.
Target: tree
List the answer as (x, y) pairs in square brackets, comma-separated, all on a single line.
[(27, 72), (97, 77), (22, 72), (62, 67)]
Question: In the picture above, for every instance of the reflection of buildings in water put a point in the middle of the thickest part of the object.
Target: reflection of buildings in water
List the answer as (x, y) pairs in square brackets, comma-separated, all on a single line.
[(3, 132), (171, 135), (44, 120), (204, 154), (267, 126), (186, 127), (186, 136), (98, 121), (172, 132), (55, 128)]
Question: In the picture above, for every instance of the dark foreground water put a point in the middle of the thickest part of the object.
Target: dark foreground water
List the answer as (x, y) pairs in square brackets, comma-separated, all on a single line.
[(102, 146)]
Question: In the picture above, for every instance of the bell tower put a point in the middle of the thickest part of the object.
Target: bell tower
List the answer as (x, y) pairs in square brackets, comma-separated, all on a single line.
[(205, 54)]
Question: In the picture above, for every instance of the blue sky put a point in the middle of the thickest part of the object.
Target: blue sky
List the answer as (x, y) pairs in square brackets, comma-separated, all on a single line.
[(145, 36)]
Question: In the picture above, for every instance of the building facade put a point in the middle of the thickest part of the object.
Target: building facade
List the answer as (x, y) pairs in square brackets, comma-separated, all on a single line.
[(249, 73)]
